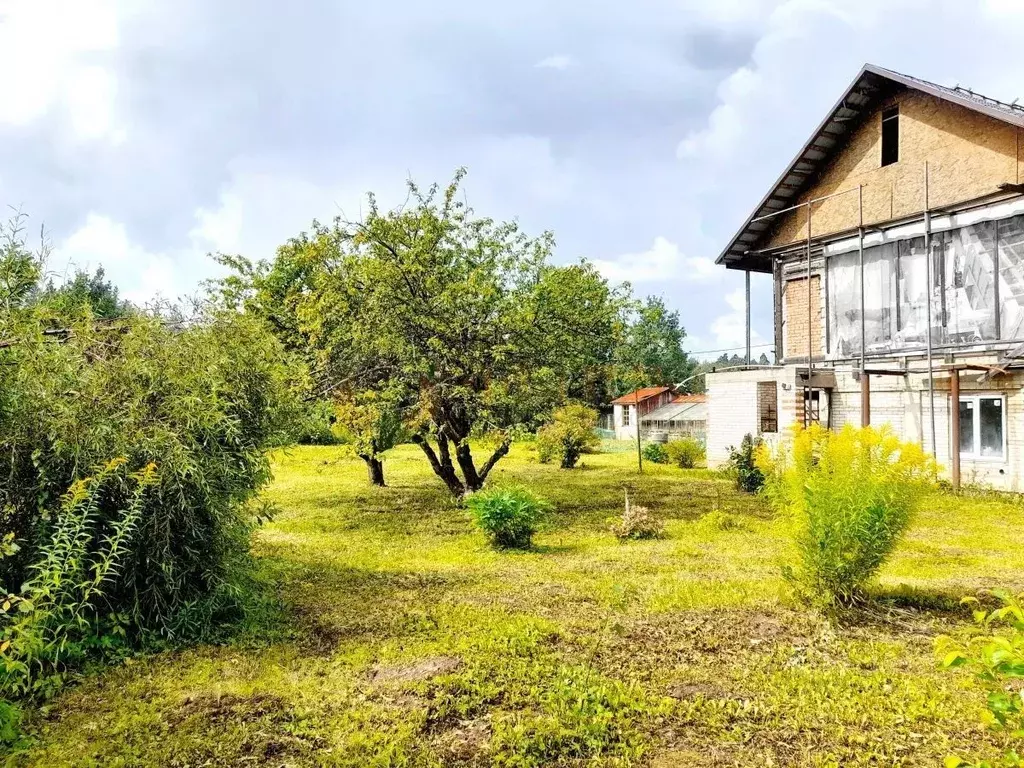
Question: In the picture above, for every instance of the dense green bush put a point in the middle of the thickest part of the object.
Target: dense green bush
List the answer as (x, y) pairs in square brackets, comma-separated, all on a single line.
[(199, 398), (995, 654), (571, 432), (509, 516), (850, 497), (655, 453), (201, 402), (685, 453), (742, 465)]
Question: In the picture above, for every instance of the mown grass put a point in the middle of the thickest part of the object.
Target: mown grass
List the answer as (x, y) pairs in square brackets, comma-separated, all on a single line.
[(406, 641)]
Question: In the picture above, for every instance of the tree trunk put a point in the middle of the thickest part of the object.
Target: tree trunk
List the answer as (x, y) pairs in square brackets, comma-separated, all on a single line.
[(375, 468), (441, 463)]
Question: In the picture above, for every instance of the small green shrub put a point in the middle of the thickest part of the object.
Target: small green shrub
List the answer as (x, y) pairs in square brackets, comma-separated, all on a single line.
[(655, 453), (850, 497), (717, 520), (571, 432), (509, 516), (685, 453), (742, 466), (996, 656), (637, 523)]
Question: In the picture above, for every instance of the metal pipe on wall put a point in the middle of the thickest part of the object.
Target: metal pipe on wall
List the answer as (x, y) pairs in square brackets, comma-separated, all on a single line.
[(747, 274), (810, 326), (928, 302), (954, 448), (865, 382), (810, 323)]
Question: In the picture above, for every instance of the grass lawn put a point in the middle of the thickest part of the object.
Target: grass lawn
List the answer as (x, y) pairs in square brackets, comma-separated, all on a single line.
[(406, 641)]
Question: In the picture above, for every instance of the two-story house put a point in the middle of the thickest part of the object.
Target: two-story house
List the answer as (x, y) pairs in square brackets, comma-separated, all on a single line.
[(896, 244)]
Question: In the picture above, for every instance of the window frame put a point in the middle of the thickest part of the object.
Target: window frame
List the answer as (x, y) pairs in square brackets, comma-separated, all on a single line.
[(767, 407), (976, 400), (890, 115), (625, 415)]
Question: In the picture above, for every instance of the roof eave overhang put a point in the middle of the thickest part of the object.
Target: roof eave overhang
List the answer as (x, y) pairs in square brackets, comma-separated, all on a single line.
[(746, 250)]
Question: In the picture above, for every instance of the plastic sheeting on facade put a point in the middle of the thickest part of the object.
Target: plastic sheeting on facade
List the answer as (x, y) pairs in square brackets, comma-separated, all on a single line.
[(968, 297)]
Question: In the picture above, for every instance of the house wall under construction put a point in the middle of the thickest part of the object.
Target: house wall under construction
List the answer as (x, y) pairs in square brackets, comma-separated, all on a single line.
[(896, 241)]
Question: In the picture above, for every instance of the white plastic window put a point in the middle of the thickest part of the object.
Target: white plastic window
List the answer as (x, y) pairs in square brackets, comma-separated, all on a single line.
[(983, 427)]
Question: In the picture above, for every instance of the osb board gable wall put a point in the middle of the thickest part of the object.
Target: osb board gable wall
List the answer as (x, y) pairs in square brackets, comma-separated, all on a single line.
[(968, 155)]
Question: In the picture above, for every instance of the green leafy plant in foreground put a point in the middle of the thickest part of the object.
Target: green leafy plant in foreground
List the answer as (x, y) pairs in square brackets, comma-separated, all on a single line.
[(849, 496), (996, 656), (509, 516), (685, 453)]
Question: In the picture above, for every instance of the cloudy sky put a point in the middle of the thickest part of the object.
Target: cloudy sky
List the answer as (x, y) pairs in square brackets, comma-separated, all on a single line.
[(144, 135)]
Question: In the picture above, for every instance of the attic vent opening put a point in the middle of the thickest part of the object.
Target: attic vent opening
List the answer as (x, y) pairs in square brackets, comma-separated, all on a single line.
[(890, 136)]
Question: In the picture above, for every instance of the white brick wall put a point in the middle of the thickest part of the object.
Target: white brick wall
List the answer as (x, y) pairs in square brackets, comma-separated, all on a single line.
[(900, 401)]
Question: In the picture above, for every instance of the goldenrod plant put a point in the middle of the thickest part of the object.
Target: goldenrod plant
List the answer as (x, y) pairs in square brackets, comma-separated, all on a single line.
[(849, 497)]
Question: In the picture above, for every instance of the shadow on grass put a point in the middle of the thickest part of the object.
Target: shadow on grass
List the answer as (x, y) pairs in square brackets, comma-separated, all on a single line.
[(330, 605)]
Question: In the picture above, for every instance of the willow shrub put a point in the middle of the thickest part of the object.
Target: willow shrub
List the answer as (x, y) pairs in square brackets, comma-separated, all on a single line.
[(200, 402), (850, 496)]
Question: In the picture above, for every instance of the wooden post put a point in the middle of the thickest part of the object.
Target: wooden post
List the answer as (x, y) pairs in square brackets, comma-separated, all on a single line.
[(954, 448), (639, 450)]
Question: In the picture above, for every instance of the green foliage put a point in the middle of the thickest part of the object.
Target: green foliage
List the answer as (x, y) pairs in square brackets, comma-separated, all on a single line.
[(637, 523), (371, 422), (85, 292), (996, 656), (685, 453), (202, 398), (466, 316), (571, 432), (64, 613), (651, 351), (314, 424), (742, 465), (718, 520), (509, 516), (850, 496), (655, 453)]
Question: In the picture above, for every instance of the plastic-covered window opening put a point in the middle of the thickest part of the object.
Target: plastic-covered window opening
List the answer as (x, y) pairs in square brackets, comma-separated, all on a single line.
[(968, 297)]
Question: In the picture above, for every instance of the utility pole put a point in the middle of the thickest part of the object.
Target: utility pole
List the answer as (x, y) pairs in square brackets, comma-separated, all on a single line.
[(639, 450)]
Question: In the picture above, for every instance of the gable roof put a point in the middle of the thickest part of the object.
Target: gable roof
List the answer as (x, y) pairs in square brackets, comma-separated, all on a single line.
[(870, 86), (639, 395)]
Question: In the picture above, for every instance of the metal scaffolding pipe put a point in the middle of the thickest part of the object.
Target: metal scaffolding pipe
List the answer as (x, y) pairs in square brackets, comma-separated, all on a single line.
[(810, 316), (810, 326), (747, 273), (865, 383), (954, 448), (928, 301)]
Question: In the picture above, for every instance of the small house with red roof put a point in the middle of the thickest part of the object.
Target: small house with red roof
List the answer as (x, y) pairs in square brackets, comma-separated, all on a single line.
[(629, 409)]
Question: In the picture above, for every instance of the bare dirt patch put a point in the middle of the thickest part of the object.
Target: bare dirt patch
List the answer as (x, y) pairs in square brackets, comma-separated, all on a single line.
[(423, 669)]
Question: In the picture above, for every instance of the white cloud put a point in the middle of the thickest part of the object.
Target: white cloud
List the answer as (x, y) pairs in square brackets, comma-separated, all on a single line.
[(661, 263), (44, 45), (101, 241), (728, 332), (559, 61)]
